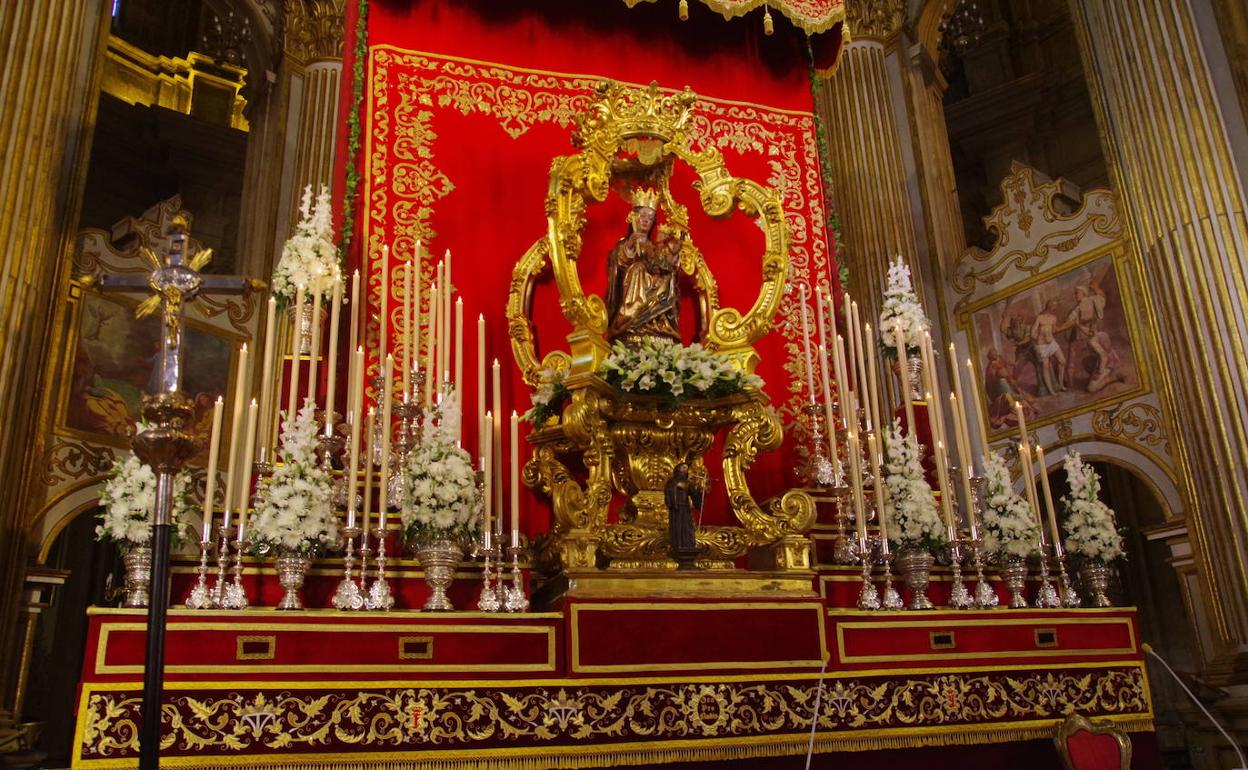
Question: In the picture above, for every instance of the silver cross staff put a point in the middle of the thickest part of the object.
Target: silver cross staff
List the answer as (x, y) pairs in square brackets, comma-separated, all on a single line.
[(166, 443)]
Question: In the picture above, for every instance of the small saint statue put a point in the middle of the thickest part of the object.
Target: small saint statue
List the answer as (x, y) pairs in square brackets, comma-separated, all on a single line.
[(681, 496), (643, 293)]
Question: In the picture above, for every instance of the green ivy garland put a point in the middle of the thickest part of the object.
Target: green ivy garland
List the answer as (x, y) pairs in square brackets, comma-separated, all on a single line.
[(353, 131), (825, 169)]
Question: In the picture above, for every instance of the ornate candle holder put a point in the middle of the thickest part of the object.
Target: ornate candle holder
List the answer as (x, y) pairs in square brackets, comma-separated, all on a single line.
[(890, 598), (1046, 596), (234, 596), (823, 472), (516, 600), (379, 596), (841, 551), (347, 596), (868, 597), (365, 552), (1067, 594), (201, 594), (223, 564), (959, 597), (489, 601)]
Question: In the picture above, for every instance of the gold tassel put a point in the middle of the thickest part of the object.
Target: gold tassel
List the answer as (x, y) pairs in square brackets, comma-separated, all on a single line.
[(769, 26), (684, 10)]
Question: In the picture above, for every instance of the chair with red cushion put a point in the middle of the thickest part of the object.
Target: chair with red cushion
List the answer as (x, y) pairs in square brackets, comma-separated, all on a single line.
[(1085, 745)]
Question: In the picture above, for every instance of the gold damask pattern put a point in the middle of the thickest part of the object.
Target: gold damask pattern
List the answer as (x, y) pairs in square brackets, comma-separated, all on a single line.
[(1140, 423), (260, 723)]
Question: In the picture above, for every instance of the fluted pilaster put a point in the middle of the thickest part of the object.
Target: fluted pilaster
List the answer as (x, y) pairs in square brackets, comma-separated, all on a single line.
[(48, 50), (318, 125), (1173, 168), (867, 167)]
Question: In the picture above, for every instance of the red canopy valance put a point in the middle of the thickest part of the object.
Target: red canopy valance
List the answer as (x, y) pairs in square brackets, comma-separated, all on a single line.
[(810, 16)]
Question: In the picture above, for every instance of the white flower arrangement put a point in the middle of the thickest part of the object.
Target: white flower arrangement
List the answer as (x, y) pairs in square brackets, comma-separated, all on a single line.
[(913, 521), (1010, 526), (548, 397), (664, 367), (901, 311), (294, 513), (129, 503), (309, 257), (440, 494), (1089, 526)]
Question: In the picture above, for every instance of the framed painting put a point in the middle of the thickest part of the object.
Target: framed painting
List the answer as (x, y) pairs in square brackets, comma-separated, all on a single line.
[(112, 363), (1061, 343)]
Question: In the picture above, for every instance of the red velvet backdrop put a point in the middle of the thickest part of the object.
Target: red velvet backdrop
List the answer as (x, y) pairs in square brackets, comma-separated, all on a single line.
[(467, 101)]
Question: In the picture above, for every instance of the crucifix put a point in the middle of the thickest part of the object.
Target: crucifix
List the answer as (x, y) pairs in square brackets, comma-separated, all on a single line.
[(166, 442)]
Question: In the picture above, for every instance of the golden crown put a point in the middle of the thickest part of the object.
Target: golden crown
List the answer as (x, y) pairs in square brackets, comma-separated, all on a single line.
[(646, 197), (618, 112)]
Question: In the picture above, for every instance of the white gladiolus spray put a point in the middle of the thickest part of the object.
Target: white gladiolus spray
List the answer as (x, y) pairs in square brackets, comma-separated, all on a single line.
[(901, 310), (440, 494), (1090, 528), (294, 513), (1010, 527), (913, 519), (309, 257), (129, 503)]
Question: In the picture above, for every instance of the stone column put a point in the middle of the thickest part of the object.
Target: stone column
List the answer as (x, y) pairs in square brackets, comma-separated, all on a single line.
[(1173, 168), (48, 63), (868, 168)]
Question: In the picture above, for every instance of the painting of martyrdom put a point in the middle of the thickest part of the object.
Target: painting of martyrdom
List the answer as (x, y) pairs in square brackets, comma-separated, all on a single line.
[(1058, 346), (114, 365)]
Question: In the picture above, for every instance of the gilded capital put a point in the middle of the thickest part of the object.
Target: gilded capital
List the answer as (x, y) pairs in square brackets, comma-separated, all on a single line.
[(314, 29), (874, 19)]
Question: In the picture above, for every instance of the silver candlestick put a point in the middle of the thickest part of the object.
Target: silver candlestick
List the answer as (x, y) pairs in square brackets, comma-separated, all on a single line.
[(201, 594), (348, 596), (489, 601), (516, 600), (1046, 596), (959, 597), (379, 596), (223, 565), (985, 596), (868, 596), (1069, 597), (890, 598), (841, 552), (234, 596)]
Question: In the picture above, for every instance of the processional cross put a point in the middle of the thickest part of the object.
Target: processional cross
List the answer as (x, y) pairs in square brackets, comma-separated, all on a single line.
[(166, 442)]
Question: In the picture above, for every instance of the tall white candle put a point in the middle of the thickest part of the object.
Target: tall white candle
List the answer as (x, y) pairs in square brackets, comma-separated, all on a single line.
[(964, 456), (877, 485), (210, 479), (1054, 532), (855, 469), (828, 417), (416, 313), (942, 477), (873, 388), (515, 480), (370, 432), (383, 342), (459, 349), (244, 494), (861, 373), (1025, 457), (842, 382), (314, 386), (810, 367), (292, 403), (355, 332), (331, 370), (435, 337), (496, 444), (236, 432), (387, 430), (482, 430), (899, 341), (487, 466), (266, 376), (353, 463), (959, 415), (444, 347), (408, 336)]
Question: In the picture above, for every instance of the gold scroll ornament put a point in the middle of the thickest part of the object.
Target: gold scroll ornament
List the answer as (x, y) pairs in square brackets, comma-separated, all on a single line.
[(629, 444)]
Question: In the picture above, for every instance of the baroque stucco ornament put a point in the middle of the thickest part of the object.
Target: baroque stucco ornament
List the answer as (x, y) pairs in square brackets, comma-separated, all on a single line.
[(629, 445)]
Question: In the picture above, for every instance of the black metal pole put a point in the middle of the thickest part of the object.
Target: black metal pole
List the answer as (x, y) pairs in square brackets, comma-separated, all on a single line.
[(157, 606)]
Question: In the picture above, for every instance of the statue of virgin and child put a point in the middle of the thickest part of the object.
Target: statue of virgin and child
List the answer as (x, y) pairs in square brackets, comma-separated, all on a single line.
[(643, 290)]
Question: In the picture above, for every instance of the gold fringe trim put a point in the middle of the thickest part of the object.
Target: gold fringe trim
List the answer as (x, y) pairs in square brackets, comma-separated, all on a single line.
[(811, 25), (621, 755)]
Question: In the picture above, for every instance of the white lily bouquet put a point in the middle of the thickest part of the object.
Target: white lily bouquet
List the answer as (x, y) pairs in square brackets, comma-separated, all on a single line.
[(548, 398), (294, 515), (441, 499), (309, 257), (901, 311), (1090, 527), (129, 503), (1010, 526), (913, 519), (662, 367)]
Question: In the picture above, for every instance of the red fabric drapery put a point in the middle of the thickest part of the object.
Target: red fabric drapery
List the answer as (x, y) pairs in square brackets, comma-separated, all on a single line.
[(466, 103)]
